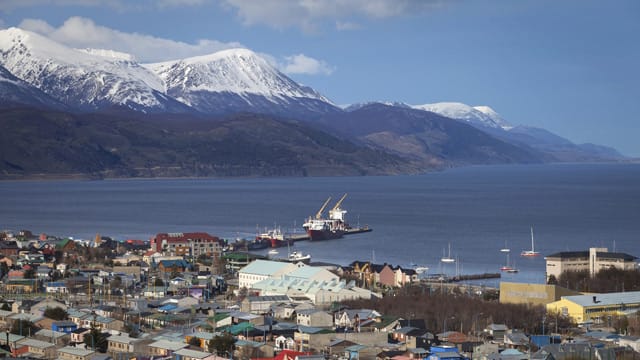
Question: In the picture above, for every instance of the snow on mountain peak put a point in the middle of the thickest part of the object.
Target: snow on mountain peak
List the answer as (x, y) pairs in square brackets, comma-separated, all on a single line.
[(480, 115), (238, 70), (497, 118), (109, 54), (82, 78)]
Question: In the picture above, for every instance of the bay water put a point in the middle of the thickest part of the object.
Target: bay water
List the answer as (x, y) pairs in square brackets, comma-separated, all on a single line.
[(475, 211)]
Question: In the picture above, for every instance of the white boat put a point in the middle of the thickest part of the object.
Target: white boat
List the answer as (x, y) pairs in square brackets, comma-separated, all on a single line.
[(273, 252), (296, 256), (505, 249), (420, 269), (506, 267), (532, 252), (448, 258)]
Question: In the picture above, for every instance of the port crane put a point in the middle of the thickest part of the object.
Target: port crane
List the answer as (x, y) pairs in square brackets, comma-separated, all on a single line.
[(319, 213), (337, 206)]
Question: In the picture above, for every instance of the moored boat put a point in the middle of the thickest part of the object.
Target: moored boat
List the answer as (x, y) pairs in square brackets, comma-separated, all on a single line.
[(297, 256), (275, 238), (532, 252)]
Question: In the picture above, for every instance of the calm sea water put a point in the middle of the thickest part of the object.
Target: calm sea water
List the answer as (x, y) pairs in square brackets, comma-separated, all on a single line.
[(474, 210)]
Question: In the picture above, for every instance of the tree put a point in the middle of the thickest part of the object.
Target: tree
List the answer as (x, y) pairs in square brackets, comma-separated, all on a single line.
[(175, 272), (4, 269), (56, 313), (221, 345), (30, 273), (194, 341), (23, 328), (96, 340), (6, 307)]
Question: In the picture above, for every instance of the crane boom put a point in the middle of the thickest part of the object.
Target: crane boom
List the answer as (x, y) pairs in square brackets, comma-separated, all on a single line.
[(337, 206), (319, 213)]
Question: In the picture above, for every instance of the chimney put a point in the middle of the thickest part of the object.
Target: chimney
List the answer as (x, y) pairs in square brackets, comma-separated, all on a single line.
[(594, 300)]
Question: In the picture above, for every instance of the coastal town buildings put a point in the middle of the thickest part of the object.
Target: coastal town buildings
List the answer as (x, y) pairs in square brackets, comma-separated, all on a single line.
[(167, 305)]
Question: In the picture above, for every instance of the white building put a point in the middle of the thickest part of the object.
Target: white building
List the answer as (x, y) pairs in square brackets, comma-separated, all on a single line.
[(594, 260), (259, 270)]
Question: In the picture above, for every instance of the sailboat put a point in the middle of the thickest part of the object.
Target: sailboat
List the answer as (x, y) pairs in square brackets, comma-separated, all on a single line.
[(532, 252), (506, 266), (448, 258), (505, 249)]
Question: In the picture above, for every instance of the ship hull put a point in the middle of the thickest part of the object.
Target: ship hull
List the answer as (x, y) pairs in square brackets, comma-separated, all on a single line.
[(317, 235)]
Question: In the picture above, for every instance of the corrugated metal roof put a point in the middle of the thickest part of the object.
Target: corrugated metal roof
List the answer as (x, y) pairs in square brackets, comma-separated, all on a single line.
[(264, 267), (632, 297)]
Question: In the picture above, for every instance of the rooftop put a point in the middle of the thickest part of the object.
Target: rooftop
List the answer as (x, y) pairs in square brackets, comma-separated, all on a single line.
[(632, 297), (265, 267)]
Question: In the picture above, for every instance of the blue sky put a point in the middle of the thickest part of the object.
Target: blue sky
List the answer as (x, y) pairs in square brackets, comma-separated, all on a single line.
[(570, 66)]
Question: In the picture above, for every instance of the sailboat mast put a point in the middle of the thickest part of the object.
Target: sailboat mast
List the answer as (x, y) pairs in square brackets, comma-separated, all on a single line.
[(532, 246)]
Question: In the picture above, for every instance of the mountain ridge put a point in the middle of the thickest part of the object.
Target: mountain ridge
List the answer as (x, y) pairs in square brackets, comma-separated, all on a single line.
[(85, 85)]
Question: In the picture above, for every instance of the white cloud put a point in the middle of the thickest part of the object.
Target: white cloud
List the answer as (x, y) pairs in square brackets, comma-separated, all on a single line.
[(8, 5), (302, 64), (347, 25), (79, 32), (306, 14), (175, 3)]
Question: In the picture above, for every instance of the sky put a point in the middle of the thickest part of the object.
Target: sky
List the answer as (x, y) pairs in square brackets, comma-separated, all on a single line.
[(569, 66)]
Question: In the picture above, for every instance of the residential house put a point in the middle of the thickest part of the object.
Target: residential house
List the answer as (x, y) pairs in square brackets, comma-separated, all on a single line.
[(40, 307), (442, 352), (38, 348), (314, 318), (55, 287), (56, 337), (124, 344), (188, 354), (77, 335), (9, 248), (252, 349), (508, 354), (496, 331), (17, 286), (262, 304), (170, 266), (353, 318), (64, 326), (75, 353), (516, 340), (164, 347), (632, 342)]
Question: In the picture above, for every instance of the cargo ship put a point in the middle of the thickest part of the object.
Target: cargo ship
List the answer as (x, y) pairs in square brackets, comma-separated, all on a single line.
[(275, 238), (333, 227)]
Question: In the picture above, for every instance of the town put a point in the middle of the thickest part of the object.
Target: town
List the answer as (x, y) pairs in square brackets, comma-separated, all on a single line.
[(190, 296)]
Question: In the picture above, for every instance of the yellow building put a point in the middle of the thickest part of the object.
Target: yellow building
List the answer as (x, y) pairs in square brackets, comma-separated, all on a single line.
[(597, 307), (534, 294)]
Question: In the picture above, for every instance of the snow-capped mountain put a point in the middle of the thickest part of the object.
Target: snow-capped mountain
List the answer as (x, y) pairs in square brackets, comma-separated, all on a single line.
[(15, 92), (236, 80), (482, 116), (82, 79), (356, 106)]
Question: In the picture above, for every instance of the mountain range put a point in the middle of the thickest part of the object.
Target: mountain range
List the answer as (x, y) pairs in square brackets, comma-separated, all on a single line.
[(231, 113)]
